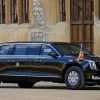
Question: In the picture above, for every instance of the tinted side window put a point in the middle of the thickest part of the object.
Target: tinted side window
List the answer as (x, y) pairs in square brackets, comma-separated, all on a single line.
[(6, 49), (33, 49), (20, 49), (46, 49), (27, 49), (64, 49)]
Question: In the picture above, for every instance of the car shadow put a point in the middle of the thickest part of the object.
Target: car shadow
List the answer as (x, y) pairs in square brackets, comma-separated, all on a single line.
[(51, 88), (64, 88)]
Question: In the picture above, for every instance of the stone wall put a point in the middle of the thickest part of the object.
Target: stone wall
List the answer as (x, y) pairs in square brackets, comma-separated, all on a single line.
[(55, 30), (96, 29)]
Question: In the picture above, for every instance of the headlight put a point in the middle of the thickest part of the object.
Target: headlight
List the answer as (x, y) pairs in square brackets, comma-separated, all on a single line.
[(92, 65)]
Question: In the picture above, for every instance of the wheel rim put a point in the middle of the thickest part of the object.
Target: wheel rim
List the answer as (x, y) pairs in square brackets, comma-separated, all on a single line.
[(73, 78)]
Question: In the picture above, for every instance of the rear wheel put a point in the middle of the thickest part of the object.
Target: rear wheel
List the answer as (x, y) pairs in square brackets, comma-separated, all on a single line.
[(26, 84), (74, 78)]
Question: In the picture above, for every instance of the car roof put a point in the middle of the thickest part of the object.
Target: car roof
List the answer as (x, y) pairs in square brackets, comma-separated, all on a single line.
[(42, 42)]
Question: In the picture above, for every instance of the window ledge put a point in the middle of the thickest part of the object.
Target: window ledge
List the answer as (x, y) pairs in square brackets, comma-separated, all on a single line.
[(26, 25)]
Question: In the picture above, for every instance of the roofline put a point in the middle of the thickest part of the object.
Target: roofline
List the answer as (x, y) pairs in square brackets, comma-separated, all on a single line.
[(44, 42), (32, 42)]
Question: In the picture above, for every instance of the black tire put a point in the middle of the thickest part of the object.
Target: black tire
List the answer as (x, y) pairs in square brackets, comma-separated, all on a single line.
[(80, 75), (26, 84)]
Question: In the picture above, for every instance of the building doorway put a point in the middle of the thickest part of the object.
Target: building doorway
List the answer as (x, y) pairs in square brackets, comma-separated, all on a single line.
[(82, 21)]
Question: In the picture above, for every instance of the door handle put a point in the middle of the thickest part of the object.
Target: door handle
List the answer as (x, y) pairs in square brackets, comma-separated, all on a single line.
[(17, 64)]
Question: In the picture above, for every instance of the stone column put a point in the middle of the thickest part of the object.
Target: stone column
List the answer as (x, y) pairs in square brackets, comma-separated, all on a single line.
[(19, 11), (96, 8), (31, 17), (7, 11), (51, 10), (96, 28), (68, 34), (67, 10), (58, 10)]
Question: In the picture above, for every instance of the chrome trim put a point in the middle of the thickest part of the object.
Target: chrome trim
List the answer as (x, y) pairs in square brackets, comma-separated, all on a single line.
[(92, 65), (29, 76), (95, 77)]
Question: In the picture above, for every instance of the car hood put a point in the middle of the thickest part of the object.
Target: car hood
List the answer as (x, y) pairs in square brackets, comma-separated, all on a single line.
[(89, 57), (94, 58), (69, 58)]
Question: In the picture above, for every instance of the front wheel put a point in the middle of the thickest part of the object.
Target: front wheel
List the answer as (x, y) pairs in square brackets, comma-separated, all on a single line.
[(74, 78)]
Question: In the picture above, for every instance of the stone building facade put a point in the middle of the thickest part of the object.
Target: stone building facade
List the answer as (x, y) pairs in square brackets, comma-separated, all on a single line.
[(51, 20)]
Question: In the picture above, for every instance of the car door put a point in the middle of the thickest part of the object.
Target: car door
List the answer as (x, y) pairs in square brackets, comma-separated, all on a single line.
[(50, 65), (26, 59), (5, 59)]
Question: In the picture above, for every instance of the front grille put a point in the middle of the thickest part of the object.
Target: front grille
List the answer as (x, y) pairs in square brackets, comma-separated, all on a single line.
[(98, 65), (96, 60)]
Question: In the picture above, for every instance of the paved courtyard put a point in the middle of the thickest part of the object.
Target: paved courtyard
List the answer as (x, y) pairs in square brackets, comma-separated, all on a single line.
[(47, 91)]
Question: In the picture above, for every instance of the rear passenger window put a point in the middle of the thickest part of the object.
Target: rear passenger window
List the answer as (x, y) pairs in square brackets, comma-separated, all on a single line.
[(33, 49), (20, 50), (27, 49)]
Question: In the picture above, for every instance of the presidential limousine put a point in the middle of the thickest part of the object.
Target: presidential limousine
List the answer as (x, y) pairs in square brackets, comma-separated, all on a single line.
[(26, 63)]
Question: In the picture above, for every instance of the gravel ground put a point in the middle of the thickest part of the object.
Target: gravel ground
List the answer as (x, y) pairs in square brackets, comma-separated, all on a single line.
[(47, 91)]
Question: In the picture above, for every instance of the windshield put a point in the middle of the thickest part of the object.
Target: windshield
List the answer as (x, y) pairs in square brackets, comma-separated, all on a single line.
[(68, 49)]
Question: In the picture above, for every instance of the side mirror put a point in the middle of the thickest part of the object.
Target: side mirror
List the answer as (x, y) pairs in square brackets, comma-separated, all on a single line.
[(53, 54)]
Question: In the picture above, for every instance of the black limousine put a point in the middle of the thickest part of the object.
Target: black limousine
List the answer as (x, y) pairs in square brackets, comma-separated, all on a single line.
[(26, 63)]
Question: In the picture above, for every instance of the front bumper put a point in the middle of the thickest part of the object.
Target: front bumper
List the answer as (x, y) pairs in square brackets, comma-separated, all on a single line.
[(93, 77)]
